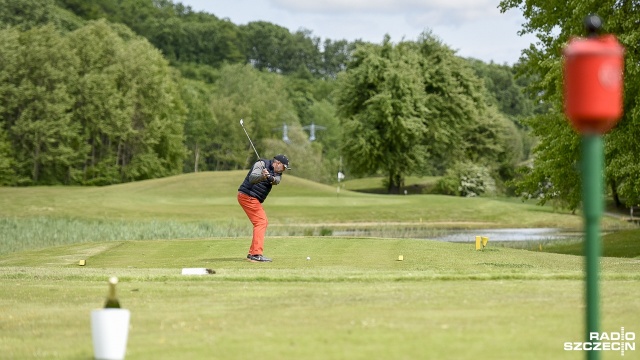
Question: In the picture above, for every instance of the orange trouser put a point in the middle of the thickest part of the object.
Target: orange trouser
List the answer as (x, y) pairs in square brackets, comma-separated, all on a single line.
[(253, 208)]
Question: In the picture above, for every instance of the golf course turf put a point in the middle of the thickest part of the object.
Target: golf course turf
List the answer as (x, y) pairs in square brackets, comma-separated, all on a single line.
[(352, 299)]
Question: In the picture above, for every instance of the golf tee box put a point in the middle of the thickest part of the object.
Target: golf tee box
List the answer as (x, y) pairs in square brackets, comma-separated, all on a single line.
[(197, 271)]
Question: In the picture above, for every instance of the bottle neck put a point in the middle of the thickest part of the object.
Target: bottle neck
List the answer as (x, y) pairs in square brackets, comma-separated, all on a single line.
[(112, 291)]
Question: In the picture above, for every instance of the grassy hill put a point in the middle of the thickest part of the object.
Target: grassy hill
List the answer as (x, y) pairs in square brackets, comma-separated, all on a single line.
[(375, 185), (211, 196)]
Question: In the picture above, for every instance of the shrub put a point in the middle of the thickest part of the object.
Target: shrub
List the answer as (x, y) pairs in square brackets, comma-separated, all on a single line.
[(467, 179), (326, 232)]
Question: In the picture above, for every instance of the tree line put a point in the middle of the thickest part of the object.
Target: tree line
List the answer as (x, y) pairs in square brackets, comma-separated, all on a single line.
[(89, 107), (110, 91), (187, 36)]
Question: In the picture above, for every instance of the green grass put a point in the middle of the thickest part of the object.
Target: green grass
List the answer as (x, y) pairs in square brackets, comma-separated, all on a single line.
[(211, 196), (352, 300), (443, 299), (413, 184), (624, 243)]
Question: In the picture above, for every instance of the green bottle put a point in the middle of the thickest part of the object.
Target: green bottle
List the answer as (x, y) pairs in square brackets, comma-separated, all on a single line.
[(112, 300)]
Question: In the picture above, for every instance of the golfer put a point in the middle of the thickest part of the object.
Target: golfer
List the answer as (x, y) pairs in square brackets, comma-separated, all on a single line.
[(252, 192)]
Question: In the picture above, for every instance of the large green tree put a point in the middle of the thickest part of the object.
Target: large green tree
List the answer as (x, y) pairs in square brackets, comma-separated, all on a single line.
[(383, 106), (456, 100), (411, 108), (554, 175)]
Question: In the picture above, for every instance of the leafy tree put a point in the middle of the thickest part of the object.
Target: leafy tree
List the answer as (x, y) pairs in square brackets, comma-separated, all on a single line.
[(555, 175), (417, 108), (496, 143), (100, 107), (182, 34), (381, 102), (323, 113), (554, 171), (456, 100), (273, 48), (153, 145), (261, 100), (129, 105), (26, 14), (300, 91), (7, 160), (201, 124), (88, 107), (90, 10), (506, 92), (264, 45), (192, 38), (304, 156), (38, 78), (335, 56)]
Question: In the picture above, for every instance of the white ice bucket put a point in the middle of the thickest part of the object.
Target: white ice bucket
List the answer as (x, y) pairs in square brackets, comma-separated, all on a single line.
[(109, 330)]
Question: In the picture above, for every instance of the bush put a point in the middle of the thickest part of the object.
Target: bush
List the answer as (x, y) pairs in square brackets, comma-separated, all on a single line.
[(326, 232), (447, 185), (467, 179)]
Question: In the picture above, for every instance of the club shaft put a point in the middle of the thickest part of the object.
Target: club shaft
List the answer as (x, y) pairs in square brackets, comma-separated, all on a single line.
[(248, 137)]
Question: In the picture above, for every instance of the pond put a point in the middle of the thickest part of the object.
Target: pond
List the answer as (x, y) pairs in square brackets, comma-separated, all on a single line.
[(460, 235), (515, 234)]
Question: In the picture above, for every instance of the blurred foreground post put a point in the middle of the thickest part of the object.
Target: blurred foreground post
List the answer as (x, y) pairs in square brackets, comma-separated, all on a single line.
[(593, 86)]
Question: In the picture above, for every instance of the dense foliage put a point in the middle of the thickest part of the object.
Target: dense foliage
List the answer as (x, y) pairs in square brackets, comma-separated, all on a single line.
[(112, 91), (88, 107), (416, 108), (554, 175)]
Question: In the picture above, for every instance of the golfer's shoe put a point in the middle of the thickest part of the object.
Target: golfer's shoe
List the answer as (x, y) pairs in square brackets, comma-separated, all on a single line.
[(257, 258)]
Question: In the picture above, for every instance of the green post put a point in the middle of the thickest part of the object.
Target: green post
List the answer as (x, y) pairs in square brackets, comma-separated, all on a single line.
[(592, 185)]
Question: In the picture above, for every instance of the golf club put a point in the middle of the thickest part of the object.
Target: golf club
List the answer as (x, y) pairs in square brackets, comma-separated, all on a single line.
[(245, 131)]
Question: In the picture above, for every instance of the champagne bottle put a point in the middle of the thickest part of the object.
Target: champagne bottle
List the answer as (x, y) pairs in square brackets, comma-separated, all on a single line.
[(112, 300)]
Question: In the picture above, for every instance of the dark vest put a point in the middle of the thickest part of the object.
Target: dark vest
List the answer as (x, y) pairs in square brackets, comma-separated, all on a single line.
[(258, 190)]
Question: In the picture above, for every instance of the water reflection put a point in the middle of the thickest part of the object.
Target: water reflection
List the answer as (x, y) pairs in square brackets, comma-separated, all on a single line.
[(461, 235), (515, 234)]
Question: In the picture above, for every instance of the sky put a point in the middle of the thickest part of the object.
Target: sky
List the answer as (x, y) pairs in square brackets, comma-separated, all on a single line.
[(474, 28)]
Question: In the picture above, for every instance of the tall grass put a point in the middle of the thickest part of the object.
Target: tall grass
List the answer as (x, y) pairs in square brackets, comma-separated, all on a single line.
[(18, 234)]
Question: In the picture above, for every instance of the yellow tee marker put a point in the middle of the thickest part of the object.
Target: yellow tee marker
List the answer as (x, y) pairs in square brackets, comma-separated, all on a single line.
[(478, 242), (485, 240)]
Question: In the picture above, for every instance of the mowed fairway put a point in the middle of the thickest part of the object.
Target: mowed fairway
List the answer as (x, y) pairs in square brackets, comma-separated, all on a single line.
[(352, 300)]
